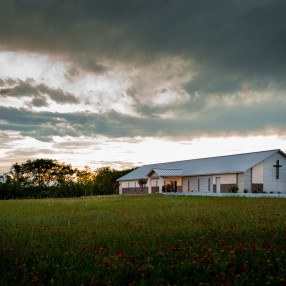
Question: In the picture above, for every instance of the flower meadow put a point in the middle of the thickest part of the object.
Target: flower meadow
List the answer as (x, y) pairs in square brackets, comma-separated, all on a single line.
[(143, 240)]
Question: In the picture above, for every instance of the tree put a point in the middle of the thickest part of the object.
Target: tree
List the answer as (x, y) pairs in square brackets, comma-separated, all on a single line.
[(85, 175), (40, 172), (142, 183), (17, 172), (64, 173)]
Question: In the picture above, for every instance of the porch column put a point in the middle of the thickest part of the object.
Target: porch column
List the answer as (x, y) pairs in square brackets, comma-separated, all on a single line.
[(149, 186), (161, 183)]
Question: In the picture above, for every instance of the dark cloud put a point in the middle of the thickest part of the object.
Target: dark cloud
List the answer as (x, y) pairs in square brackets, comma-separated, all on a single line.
[(69, 146), (36, 91), (233, 46), (240, 120), (39, 102), (242, 36), (27, 152)]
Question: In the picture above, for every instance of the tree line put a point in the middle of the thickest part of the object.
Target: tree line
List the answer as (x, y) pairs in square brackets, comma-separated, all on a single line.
[(47, 178)]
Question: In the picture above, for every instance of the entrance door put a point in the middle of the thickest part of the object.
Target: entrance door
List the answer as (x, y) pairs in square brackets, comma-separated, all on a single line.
[(174, 186), (218, 184)]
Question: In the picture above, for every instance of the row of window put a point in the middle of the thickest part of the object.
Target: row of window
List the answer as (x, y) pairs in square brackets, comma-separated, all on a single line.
[(191, 184)]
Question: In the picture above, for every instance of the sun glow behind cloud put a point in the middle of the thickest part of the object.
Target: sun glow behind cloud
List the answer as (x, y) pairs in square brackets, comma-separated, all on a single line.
[(122, 153), (124, 89)]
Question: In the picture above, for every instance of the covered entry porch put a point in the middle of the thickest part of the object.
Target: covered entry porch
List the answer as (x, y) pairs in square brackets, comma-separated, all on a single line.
[(160, 180)]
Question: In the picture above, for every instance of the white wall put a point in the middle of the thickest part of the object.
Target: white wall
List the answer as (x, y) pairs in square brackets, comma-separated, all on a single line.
[(130, 184), (193, 184), (226, 178), (240, 183), (197, 184), (257, 173), (270, 183), (247, 180), (155, 182), (190, 184), (154, 175)]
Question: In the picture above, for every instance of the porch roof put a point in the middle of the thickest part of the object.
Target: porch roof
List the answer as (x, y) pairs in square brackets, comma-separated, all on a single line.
[(166, 172)]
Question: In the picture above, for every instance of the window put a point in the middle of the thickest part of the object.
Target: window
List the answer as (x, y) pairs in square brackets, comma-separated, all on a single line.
[(198, 185), (209, 184)]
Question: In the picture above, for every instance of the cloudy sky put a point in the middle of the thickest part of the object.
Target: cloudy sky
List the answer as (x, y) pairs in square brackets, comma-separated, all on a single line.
[(125, 83)]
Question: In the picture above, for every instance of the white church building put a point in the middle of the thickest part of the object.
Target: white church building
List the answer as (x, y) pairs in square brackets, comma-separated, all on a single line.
[(257, 172)]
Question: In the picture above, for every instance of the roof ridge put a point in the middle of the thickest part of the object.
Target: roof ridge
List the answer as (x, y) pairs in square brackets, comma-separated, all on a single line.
[(167, 168), (212, 157)]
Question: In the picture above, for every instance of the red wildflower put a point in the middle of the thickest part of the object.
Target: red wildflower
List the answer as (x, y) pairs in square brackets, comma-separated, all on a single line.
[(174, 260), (20, 258), (119, 254), (243, 267)]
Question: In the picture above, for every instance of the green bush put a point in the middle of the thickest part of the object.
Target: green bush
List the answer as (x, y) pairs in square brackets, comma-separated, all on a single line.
[(233, 189), (168, 188)]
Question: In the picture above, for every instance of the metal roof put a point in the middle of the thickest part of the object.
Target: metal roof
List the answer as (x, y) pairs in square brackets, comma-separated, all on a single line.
[(215, 165), (167, 172)]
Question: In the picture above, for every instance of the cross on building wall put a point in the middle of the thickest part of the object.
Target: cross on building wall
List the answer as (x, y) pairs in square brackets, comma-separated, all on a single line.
[(277, 169)]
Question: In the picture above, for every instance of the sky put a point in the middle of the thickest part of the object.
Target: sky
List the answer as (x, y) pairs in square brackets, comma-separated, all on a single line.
[(125, 83)]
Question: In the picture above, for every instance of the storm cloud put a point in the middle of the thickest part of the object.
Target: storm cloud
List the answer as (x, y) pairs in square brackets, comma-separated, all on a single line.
[(36, 91), (244, 36), (155, 68), (43, 126)]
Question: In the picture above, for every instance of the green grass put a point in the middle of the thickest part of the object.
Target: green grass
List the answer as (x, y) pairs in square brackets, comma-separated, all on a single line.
[(143, 240)]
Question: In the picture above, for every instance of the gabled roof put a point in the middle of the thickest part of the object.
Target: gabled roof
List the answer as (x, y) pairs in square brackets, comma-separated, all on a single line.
[(215, 165), (166, 172)]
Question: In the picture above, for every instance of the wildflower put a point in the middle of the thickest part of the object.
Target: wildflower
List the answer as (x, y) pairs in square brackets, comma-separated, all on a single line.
[(20, 258), (119, 254), (174, 260)]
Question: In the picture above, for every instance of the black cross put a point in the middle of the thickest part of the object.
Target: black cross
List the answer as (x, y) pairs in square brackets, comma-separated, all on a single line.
[(277, 169)]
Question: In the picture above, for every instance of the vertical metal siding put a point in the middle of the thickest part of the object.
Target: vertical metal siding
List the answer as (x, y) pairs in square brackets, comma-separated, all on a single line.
[(240, 183), (247, 180), (271, 184)]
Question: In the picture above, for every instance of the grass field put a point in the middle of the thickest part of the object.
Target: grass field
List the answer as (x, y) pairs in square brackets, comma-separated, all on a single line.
[(143, 240)]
